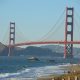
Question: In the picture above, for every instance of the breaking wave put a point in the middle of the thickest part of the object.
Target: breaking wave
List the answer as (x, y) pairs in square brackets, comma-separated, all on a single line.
[(34, 72)]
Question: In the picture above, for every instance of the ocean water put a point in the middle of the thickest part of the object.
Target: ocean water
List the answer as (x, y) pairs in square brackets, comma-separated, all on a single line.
[(23, 69)]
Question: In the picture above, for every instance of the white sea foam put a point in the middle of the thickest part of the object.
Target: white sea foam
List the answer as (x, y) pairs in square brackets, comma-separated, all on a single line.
[(5, 75), (33, 73)]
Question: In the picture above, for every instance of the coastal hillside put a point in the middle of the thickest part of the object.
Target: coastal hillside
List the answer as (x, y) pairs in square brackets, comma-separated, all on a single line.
[(47, 50), (60, 49), (28, 51)]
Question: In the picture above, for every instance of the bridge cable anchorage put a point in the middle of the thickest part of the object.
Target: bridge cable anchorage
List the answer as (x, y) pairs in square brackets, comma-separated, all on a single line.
[(53, 28), (68, 50), (11, 38)]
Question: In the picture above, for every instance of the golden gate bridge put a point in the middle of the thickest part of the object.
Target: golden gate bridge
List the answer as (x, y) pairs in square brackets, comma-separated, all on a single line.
[(68, 44)]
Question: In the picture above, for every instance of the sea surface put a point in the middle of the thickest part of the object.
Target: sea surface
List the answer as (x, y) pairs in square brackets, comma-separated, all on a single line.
[(23, 69)]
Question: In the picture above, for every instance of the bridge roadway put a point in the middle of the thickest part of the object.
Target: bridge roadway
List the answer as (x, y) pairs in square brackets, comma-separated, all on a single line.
[(45, 42)]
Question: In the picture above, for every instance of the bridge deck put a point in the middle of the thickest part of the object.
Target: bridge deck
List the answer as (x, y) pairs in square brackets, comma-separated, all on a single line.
[(46, 42)]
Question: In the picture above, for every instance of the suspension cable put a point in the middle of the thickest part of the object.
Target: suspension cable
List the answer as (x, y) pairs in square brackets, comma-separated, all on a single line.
[(53, 27), (56, 30)]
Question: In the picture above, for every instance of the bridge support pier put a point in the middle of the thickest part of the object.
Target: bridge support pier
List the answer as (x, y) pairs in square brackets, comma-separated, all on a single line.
[(11, 38), (68, 51)]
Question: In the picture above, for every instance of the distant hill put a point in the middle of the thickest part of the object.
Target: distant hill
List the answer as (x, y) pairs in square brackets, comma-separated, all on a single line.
[(28, 51), (48, 50), (60, 49), (54, 48), (38, 51), (2, 47)]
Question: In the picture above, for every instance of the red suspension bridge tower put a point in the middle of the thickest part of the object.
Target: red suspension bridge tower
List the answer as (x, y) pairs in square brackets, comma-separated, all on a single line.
[(11, 37), (68, 52)]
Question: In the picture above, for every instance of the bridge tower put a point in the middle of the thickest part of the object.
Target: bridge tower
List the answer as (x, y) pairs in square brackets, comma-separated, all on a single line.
[(11, 38), (68, 52)]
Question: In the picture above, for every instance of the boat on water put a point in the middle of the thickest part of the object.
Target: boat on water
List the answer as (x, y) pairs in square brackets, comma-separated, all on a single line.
[(33, 58)]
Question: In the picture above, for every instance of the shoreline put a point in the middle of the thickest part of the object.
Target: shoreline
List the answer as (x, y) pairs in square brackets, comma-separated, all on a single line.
[(73, 71)]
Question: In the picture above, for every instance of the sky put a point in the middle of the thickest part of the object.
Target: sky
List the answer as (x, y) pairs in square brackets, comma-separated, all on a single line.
[(33, 18)]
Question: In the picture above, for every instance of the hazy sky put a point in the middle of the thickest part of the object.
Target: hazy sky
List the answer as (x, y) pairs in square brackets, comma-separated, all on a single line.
[(34, 18)]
